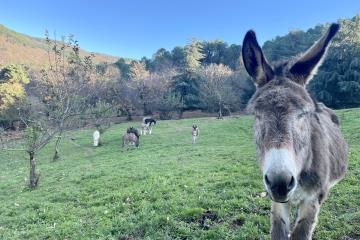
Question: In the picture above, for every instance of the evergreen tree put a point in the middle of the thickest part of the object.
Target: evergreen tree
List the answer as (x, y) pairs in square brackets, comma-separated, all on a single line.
[(193, 56), (187, 84), (124, 67), (178, 57), (337, 82)]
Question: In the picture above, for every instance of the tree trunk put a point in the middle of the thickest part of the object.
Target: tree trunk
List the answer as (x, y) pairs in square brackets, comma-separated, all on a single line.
[(129, 116), (145, 110), (228, 109), (56, 154), (220, 111), (34, 176)]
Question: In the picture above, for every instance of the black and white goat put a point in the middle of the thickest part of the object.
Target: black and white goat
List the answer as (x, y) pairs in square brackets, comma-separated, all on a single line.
[(146, 125)]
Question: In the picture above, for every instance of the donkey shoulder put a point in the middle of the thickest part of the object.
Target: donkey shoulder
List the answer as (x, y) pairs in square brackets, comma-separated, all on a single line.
[(336, 148), (322, 109)]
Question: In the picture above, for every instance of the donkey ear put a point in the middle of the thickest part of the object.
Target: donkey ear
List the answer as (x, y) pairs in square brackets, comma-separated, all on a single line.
[(306, 66), (254, 60)]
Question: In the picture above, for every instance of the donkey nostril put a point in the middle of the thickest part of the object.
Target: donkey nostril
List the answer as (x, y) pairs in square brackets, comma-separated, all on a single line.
[(267, 181), (291, 183)]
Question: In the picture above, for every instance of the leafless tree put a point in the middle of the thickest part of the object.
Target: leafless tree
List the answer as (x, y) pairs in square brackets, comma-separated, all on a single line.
[(140, 78), (118, 92), (67, 86), (38, 133), (216, 85)]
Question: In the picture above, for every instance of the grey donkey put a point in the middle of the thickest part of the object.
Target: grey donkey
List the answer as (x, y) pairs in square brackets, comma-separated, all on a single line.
[(131, 138), (299, 146), (194, 133)]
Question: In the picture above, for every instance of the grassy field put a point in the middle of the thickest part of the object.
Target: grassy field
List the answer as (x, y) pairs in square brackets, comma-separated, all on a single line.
[(167, 189)]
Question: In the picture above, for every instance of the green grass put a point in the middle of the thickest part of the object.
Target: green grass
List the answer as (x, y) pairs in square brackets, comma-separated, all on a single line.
[(167, 189)]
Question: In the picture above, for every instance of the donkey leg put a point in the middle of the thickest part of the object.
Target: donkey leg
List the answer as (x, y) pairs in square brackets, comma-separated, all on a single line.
[(280, 223), (306, 220)]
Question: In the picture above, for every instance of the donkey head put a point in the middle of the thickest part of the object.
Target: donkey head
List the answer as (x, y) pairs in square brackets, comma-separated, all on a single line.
[(283, 113)]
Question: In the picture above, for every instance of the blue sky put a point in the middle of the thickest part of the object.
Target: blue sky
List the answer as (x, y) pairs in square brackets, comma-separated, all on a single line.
[(136, 28)]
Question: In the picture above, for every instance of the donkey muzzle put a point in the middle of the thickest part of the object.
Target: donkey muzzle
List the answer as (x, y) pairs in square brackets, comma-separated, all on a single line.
[(279, 186), (279, 174)]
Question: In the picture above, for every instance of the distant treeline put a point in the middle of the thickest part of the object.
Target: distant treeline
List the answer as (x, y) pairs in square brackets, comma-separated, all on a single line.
[(202, 75), (337, 83)]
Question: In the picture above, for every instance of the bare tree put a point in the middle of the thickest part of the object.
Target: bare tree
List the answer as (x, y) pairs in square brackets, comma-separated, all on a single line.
[(141, 79), (118, 91), (36, 138), (37, 135), (100, 115), (66, 86), (216, 85), (153, 88), (165, 99)]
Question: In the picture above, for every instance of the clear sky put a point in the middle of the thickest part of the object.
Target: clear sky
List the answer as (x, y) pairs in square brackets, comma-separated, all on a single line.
[(136, 28)]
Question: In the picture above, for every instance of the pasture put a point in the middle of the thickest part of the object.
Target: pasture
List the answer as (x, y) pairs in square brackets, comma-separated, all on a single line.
[(166, 189)]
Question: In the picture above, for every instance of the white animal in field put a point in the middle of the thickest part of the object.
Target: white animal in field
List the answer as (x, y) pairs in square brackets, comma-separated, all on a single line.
[(96, 137), (150, 129), (146, 128)]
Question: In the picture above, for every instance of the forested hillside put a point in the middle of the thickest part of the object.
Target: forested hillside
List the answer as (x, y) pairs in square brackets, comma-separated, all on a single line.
[(202, 75), (17, 48)]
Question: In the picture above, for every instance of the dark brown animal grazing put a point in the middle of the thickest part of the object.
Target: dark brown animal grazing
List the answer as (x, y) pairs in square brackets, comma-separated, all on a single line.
[(131, 138), (299, 145)]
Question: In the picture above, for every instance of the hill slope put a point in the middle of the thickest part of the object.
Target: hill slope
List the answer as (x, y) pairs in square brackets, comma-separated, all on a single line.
[(167, 189), (17, 48)]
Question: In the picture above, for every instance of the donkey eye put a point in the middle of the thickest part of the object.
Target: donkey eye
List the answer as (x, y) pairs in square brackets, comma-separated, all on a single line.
[(301, 115)]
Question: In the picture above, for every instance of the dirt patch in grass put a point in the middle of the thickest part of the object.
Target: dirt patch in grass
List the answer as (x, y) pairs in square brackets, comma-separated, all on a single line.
[(207, 218), (237, 223), (127, 238)]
